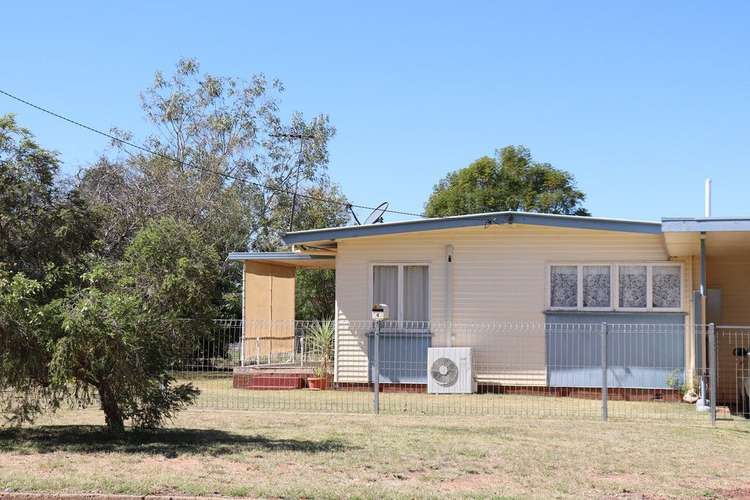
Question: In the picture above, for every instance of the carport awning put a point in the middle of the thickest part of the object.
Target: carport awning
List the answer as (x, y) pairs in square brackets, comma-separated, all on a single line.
[(291, 259), (724, 236)]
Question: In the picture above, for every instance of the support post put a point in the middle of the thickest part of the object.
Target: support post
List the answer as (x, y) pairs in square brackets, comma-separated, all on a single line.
[(714, 370), (376, 375), (605, 386), (257, 350), (242, 335), (302, 349)]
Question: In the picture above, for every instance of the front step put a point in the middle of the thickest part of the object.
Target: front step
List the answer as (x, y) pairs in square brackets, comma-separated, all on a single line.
[(268, 381)]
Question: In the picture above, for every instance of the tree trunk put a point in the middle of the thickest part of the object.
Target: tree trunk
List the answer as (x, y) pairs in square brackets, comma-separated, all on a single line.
[(112, 413)]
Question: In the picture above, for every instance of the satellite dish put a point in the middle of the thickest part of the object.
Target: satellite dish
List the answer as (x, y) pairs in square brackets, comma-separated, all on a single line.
[(376, 216)]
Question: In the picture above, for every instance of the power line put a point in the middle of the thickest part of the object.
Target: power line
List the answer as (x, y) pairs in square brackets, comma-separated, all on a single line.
[(188, 164)]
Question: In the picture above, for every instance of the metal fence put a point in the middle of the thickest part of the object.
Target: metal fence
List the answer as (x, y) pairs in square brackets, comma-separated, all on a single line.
[(595, 370)]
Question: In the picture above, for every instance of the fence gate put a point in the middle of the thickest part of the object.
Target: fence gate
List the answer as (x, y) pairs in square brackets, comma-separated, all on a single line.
[(733, 366)]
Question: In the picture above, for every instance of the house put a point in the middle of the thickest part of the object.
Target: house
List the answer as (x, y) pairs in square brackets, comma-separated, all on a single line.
[(465, 280)]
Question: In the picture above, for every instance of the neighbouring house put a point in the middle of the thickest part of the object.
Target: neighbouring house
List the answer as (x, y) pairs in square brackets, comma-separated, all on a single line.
[(466, 280)]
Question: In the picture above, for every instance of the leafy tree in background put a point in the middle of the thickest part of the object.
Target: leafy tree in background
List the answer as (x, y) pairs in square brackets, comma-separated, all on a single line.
[(510, 181), (230, 140), (43, 225)]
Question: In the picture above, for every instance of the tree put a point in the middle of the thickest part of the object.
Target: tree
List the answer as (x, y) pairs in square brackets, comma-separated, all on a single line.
[(43, 225), (113, 338), (237, 161), (510, 181)]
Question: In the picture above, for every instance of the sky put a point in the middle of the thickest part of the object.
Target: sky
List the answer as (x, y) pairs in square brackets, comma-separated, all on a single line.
[(640, 101)]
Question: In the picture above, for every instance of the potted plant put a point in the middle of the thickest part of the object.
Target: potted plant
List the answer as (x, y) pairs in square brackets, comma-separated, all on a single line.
[(320, 342)]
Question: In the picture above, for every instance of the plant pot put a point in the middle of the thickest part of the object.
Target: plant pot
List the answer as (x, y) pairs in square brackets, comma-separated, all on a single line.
[(317, 383)]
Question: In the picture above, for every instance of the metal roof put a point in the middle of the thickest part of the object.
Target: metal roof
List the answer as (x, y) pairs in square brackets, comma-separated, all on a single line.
[(704, 224), (277, 256), (568, 221)]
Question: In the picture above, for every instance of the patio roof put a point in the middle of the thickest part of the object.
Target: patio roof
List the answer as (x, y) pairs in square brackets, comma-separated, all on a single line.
[(705, 224), (472, 220), (723, 236), (294, 259)]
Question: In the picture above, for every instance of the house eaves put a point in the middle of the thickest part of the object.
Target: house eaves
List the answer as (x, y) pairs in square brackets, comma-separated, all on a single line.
[(704, 224), (472, 220)]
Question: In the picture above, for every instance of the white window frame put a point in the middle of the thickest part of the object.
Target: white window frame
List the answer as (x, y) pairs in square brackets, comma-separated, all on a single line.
[(614, 282), (580, 286), (401, 265), (651, 286), (648, 287)]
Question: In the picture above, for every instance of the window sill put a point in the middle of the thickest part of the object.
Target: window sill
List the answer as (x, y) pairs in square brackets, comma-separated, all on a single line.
[(611, 311)]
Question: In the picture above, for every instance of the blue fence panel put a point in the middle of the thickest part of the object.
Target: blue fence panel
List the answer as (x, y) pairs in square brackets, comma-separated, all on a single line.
[(403, 357), (644, 350)]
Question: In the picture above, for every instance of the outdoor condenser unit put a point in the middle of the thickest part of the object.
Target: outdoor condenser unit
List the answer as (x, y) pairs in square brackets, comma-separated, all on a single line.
[(449, 370)]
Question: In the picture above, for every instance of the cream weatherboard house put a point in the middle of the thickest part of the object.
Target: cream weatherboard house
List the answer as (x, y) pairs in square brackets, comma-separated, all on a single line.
[(466, 280)]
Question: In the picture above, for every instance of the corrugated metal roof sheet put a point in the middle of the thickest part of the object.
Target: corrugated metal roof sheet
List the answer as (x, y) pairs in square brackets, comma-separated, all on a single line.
[(570, 221)]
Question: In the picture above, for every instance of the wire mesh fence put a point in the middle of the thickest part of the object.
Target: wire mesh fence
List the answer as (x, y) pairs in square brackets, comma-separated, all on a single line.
[(594, 370)]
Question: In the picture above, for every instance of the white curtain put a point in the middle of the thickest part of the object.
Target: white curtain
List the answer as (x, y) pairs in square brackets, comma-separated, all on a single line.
[(385, 288), (416, 293)]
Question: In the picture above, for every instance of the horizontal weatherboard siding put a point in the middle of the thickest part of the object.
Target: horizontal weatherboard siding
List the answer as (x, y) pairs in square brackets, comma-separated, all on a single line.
[(499, 277)]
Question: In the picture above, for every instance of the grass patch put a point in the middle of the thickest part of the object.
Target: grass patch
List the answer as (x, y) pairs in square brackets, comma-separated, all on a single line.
[(243, 453)]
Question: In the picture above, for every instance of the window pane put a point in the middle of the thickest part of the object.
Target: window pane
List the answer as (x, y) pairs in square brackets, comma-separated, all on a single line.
[(563, 286), (596, 286), (385, 288), (666, 286), (416, 293), (633, 286)]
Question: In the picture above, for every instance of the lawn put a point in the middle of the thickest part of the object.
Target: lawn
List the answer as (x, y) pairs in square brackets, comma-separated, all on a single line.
[(217, 394), (284, 454)]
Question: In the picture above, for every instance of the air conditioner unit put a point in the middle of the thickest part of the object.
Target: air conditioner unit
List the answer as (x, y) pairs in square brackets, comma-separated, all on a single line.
[(449, 370)]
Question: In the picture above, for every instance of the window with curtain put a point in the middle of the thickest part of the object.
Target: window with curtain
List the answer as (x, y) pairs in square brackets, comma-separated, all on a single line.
[(405, 288), (633, 286), (416, 293), (385, 288)]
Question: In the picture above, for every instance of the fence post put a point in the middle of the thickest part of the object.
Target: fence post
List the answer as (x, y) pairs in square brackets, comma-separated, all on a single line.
[(376, 382), (605, 386), (302, 349), (713, 370)]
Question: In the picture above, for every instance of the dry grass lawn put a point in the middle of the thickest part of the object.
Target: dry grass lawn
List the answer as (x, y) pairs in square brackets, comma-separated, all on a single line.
[(242, 453)]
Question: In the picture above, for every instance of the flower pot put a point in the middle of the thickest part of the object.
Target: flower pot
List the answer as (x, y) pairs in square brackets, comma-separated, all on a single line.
[(317, 383)]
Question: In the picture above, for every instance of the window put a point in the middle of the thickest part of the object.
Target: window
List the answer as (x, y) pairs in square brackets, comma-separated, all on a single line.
[(564, 287), (405, 288), (597, 287), (633, 287), (606, 287), (665, 286)]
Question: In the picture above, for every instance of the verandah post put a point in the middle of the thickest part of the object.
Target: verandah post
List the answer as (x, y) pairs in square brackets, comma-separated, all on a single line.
[(605, 387)]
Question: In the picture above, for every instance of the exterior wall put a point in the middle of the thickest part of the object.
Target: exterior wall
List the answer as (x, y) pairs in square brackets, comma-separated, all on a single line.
[(499, 275), (731, 275), (269, 309)]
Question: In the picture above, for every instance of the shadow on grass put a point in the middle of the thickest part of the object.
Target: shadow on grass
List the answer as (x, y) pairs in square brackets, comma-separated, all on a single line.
[(167, 442)]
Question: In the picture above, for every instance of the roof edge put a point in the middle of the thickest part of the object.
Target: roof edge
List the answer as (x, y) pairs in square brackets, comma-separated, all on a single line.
[(472, 220), (704, 224), (276, 256)]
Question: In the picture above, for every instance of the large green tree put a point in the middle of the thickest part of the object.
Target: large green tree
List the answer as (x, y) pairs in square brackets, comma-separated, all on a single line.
[(512, 180), (238, 161), (76, 324), (43, 224), (114, 337)]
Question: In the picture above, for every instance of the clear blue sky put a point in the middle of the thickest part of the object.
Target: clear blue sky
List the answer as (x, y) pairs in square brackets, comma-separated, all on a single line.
[(640, 100)]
